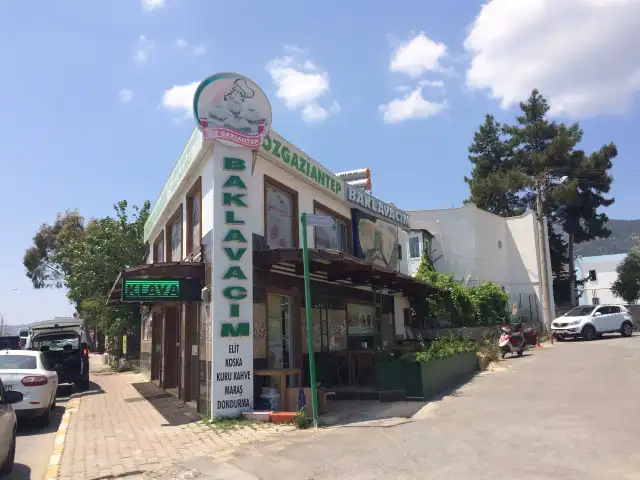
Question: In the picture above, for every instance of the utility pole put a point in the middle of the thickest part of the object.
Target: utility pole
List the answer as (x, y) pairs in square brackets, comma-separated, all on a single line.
[(2, 314), (541, 181)]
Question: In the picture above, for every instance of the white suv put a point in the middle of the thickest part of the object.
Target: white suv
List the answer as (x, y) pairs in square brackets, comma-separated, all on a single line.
[(591, 321)]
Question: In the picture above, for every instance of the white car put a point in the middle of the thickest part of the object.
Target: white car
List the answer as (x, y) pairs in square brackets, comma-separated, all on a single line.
[(24, 371), (591, 321)]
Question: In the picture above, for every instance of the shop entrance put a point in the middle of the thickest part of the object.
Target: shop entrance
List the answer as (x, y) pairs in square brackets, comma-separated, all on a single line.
[(280, 332), (156, 345), (169, 379)]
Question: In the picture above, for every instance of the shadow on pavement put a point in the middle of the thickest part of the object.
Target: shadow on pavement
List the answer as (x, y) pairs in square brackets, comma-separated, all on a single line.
[(29, 426), (172, 410), (20, 472)]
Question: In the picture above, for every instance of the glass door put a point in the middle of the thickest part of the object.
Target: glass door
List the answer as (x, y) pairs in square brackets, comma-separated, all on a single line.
[(280, 334)]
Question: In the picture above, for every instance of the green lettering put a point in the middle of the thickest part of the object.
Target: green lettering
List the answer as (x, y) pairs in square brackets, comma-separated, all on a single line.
[(235, 236), (266, 143), (234, 293), (313, 175), (333, 185), (303, 165), (234, 256), (294, 160), (234, 272), (229, 198), (230, 218), (308, 165), (234, 310), (240, 330), (234, 181), (230, 163), (338, 187), (276, 148), (286, 154), (173, 290), (320, 178)]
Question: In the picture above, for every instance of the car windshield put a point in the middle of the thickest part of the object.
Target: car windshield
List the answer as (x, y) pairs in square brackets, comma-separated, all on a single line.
[(18, 362), (24, 333), (56, 341), (580, 311)]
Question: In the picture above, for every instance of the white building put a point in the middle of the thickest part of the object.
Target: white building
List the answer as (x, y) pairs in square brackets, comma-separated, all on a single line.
[(475, 246), (600, 271)]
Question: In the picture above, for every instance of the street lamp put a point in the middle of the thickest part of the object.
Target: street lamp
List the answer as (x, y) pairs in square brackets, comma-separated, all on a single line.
[(311, 221)]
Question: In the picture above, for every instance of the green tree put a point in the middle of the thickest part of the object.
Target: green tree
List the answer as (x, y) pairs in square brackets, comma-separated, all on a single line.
[(627, 284), (44, 264), (510, 160), (95, 259)]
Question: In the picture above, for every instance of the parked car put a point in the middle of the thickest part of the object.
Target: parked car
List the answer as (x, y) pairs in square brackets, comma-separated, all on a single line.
[(64, 345), (592, 321), (11, 342), (25, 372), (8, 427)]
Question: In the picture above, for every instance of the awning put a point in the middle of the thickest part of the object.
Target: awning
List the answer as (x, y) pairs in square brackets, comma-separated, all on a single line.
[(156, 271), (336, 266)]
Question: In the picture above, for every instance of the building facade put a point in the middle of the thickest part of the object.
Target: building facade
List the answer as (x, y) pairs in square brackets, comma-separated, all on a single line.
[(225, 232), (476, 246), (599, 273)]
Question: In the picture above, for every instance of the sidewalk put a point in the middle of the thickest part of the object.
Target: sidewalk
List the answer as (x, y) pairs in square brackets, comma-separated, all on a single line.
[(127, 428)]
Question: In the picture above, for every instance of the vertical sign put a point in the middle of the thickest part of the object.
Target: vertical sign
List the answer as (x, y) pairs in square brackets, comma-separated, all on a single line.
[(234, 112), (232, 283)]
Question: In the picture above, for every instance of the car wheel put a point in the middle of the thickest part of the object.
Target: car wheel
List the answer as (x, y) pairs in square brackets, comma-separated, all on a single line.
[(45, 419), (559, 338), (589, 333), (7, 466), (520, 352), (627, 329)]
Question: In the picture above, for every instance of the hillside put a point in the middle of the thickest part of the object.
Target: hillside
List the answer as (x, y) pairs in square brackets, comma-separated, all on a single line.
[(624, 235)]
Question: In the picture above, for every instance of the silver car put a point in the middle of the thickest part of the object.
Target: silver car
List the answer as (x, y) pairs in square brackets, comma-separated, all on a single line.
[(8, 426)]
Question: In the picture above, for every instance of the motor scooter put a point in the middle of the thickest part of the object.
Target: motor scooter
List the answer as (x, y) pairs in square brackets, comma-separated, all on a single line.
[(512, 340)]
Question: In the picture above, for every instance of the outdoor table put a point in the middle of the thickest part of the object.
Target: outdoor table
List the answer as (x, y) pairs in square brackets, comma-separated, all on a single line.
[(283, 373)]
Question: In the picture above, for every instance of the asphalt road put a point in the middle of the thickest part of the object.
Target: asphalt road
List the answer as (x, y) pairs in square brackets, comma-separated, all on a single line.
[(35, 444), (569, 411)]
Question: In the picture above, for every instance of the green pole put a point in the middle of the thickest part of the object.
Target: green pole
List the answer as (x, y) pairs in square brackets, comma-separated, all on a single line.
[(307, 309)]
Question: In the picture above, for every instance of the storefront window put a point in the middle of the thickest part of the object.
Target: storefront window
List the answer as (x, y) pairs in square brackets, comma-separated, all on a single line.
[(414, 247), (159, 251), (361, 319), (176, 241), (195, 222), (333, 237), (279, 218)]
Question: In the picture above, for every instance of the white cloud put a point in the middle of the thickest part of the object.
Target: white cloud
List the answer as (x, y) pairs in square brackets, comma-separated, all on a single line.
[(152, 4), (142, 50), (411, 105), (181, 43), (180, 97), (581, 54), (300, 84), (315, 113), (125, 95), (199, 50), (418, 55)]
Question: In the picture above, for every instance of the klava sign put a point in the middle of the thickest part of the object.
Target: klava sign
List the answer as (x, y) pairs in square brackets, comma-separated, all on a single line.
[(166, 290)]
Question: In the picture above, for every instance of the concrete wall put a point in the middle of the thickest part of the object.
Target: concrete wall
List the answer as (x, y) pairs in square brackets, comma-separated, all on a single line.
[(475, 246), (600, 289)]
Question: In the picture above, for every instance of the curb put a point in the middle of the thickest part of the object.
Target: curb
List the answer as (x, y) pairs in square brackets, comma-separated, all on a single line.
[(53, 469)]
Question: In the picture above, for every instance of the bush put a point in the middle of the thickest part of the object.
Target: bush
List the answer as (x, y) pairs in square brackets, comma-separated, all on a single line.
[(446, 347)]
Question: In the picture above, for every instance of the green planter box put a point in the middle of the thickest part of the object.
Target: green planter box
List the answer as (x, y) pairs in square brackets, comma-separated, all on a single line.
[(426, 379), (398, 375)]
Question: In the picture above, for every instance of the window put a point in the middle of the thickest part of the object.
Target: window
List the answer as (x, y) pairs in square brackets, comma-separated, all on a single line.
[(333, 237), (614, 309), (158, 249), (592, 276), (595, 301), (280, 215), (399, 252), (194, 220), (414, 247), (176, 240), (18, 362)]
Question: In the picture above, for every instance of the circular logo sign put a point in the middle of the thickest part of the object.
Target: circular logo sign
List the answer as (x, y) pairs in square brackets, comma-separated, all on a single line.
[(232, 110)]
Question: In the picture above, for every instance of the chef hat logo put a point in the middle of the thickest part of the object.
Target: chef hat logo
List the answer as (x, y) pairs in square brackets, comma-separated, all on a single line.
[(241, 89)]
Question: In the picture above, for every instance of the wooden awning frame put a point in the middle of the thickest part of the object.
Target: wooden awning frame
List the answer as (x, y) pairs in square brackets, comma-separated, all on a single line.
[(155, 271), (337, 266)]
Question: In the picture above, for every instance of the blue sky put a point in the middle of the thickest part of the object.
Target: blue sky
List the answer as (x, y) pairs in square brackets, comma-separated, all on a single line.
[(93, 95)]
